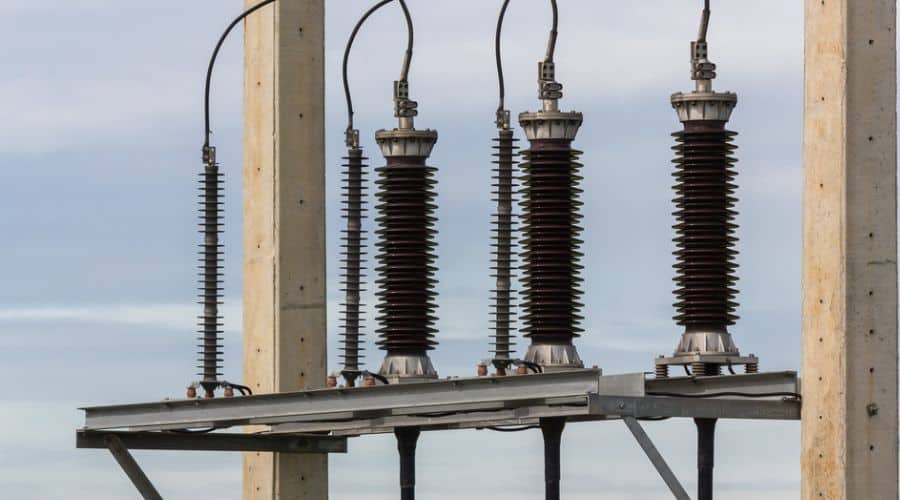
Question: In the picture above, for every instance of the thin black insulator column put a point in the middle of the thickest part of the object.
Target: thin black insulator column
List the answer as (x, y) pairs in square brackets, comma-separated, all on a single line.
[(407, 438), (552, 429), (503, 317), (353, 263), (706, 453), (551, 242), (705, 227), (406, 256), (210, 281)]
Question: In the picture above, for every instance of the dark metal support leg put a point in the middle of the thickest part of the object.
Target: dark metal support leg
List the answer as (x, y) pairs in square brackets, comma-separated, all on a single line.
[(552, 428), (406, 445), (132, 469), (706, 451)]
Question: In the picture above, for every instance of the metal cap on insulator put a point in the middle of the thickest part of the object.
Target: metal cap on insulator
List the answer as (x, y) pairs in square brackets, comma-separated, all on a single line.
[(703, 104), (406, 142), (551, 124)]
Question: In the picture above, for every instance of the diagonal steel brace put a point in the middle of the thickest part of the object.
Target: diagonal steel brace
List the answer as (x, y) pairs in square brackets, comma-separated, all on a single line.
[(656, 458), (131, 468)]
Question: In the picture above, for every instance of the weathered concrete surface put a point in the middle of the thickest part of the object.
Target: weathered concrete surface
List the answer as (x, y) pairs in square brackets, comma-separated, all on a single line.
[(850, 252)]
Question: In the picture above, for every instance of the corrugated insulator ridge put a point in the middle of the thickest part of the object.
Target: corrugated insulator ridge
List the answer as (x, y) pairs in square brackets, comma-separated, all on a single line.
[(503, 303), (406, 256), (705, 227), (353, 261), (211, 277), (551, 245)]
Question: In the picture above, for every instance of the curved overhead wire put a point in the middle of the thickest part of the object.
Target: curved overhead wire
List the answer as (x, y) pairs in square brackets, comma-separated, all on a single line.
[(212, 63), (498, 55), (704, 23), (407, 59), (551, 45)]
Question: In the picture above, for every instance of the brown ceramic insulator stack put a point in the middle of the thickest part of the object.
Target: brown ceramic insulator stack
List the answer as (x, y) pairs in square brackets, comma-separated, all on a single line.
[(551, 216), (705, 227), (353, 263), (406, 256), (503, 314), (210, 281)]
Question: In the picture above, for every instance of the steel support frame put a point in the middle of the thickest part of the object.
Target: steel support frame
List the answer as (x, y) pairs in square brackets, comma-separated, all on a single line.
[(465, 403)]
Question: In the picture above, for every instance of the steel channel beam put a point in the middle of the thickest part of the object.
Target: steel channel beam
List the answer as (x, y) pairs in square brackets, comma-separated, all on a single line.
[(756, 383), (650, 407), (471, 394), (573, 409), (213, 442), (589, 408), (551, 394)]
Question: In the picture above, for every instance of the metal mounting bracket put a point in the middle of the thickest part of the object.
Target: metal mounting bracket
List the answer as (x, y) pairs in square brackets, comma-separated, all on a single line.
[(118, 443), (656, 458), (131, 467)]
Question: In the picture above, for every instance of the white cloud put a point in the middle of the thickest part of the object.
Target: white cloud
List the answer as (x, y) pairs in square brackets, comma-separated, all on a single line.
[(169, 317)]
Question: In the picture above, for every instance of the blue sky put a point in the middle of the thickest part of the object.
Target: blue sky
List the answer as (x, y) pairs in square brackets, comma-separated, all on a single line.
[(99, 147)]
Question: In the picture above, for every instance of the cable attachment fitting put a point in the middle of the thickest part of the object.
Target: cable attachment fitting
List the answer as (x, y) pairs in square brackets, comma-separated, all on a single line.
[(404, 108), (209, 154), (701, 67), (550, 89), (503, 119), (351, 138)]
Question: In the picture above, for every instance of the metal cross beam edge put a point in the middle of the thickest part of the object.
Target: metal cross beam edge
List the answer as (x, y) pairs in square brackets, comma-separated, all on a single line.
[(118, 444), (471, 403)]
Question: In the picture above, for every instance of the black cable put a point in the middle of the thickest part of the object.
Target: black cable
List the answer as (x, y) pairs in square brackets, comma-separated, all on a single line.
[(379, 377), (499, 57), (407, 59), (512, 429), (704, 23), (246, 391), (551, 45), (190, 431), (212, 63), (536, 368), (727, 393)]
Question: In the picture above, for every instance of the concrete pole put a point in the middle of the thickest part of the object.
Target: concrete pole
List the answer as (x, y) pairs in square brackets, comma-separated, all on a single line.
[(849, 427), (284, 228)]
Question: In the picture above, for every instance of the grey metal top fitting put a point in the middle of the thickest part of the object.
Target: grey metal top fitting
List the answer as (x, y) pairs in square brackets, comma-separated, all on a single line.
[(550, 122), (406, 142), (703, 104)]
